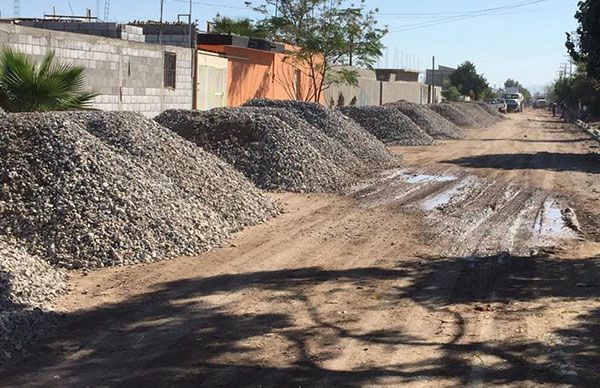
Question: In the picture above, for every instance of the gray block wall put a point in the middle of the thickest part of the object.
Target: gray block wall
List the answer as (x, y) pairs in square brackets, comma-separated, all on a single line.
[(129, 75)]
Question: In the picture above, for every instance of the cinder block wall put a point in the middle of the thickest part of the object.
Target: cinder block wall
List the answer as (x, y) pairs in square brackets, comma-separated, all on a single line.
[(128, 75), (372, 92)]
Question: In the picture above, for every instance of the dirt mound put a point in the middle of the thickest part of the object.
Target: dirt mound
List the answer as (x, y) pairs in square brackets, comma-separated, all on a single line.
[(93, 189), (437, 126), (338, 127), (272, 153), (388, 124), (455, 115)]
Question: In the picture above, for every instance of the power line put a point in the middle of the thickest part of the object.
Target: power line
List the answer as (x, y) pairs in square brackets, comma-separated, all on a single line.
[(523, 3), (211, 5), (464, 17)]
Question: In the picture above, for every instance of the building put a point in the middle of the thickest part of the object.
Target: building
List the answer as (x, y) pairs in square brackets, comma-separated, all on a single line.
[(439, 77), (255, 68), (382, 86), (128, 74)]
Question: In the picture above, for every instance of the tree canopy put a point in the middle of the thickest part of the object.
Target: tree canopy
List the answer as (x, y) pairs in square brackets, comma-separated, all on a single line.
[(327, 33), (584, 47), (241, 26), (467, 81)]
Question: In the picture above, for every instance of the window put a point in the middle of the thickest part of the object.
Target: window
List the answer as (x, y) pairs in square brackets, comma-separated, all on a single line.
[(170, 69)]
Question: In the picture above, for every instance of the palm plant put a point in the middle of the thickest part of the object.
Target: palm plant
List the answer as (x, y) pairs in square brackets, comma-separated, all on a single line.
[(29, 87)]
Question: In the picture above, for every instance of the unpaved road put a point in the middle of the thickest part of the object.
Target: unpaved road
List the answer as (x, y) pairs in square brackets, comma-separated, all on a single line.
[(477, 263)]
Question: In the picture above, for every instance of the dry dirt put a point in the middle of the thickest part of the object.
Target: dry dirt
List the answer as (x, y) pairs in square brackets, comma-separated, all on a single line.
[(477, 263)]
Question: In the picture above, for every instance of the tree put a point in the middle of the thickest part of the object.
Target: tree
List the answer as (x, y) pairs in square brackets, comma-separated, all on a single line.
[(27, 87), (242, 27), (326, 34), (451, 93), (467, 81), (585, 47)]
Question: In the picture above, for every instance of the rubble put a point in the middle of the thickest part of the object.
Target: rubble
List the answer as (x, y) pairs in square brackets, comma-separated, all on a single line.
[(481, 116), (389, 125), (437, 126), (94, 189)]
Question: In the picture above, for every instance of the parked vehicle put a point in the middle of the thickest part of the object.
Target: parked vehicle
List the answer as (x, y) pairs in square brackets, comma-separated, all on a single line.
[(514, 102), (497, 103), (540, 103)]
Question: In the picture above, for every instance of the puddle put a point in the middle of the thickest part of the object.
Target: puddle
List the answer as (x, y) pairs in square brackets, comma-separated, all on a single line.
[(444, 197), (551, 224), (423, 178)]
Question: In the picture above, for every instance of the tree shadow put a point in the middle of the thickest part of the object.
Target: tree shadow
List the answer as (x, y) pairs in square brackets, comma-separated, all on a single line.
[(174, 335), (551, 161)]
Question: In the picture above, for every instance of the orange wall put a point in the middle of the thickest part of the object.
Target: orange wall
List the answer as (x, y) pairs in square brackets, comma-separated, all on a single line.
[(256, 73)]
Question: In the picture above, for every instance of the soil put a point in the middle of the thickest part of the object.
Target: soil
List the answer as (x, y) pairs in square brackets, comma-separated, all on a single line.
[(477, 263)]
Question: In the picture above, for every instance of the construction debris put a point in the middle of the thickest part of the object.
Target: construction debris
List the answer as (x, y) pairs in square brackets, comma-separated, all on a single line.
[(389, 125), (93, 189), (437, 126)]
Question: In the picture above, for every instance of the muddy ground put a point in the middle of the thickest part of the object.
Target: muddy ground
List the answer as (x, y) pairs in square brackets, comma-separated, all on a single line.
[(476, 263)]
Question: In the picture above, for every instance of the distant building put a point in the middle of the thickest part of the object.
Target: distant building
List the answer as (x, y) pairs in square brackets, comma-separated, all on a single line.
[(440, 77), (392, 75)]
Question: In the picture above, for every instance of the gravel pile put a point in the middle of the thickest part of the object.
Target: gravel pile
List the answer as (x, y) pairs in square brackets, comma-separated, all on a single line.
[(455, 115), (28, 286), (491, 110), (272, 153), (93, 189), (477, 113), (346, 132), (437, 126), (388, 124)]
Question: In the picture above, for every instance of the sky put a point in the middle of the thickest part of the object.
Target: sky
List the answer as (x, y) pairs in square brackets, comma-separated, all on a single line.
[(519, 39)]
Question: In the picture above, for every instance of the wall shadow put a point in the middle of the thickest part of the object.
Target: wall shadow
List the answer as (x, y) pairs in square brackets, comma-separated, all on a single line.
[(169, 337), (551, 161)]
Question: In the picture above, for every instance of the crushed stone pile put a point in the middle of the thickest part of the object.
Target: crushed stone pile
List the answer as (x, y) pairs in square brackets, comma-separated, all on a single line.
[(28, 287), (94, 189), (455, 115), (389, 125), (437, 126), (346, 132), (478, 114), (273, 153), (491, 110)]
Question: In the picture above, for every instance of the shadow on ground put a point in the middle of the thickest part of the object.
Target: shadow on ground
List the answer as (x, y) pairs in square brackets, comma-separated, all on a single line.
[(172, 336), (551, 161)]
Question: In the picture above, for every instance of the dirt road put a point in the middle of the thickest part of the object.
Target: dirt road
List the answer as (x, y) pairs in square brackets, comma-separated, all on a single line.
[(477, 263)]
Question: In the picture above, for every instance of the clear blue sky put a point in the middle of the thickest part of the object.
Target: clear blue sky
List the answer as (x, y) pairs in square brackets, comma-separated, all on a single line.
[(520, 39)]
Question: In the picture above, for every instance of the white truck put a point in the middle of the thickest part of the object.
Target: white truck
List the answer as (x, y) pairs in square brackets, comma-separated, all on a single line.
[(514, 100)]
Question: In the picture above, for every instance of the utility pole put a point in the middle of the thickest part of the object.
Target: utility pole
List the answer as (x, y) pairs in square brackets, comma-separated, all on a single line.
[(192, 43), (432, 80), (160, 27)]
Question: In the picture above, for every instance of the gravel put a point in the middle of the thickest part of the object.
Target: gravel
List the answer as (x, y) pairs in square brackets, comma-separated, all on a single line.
[(338, 127), (437, 126), (274, 154), (94, 189), (481, 117), (491, 110), (388, 124), (28, 286), (456, 116)]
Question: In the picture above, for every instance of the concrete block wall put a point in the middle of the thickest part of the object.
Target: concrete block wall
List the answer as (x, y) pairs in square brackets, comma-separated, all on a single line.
[(373, 92), (128, 75)]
